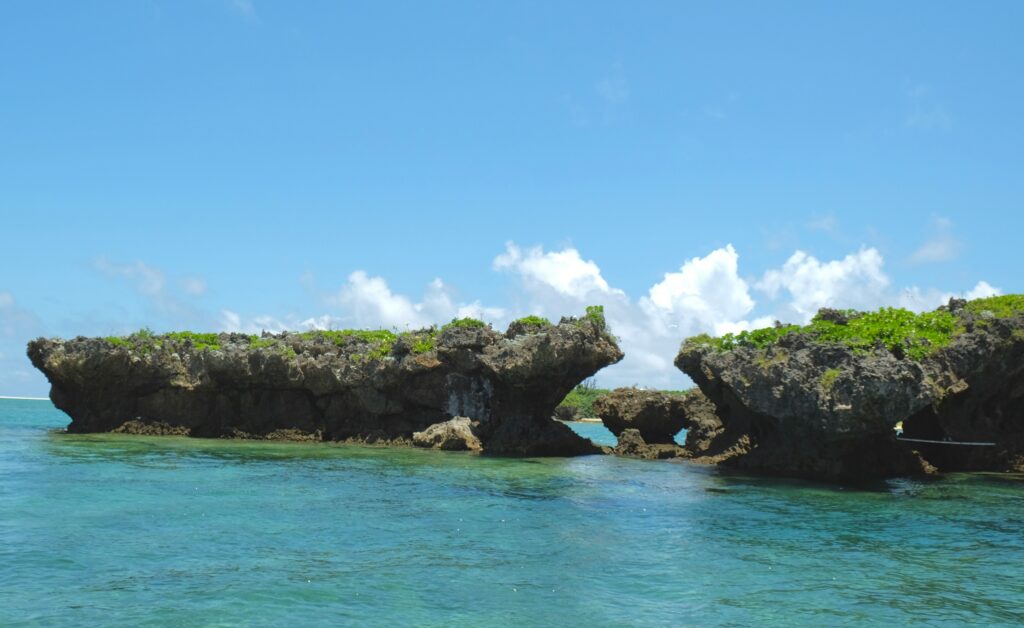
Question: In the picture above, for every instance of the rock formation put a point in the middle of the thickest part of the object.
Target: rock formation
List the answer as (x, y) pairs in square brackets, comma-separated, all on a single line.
[(453, 435), (823, 401), (339, 386), (657, 415), (647, 421), (632, 445)]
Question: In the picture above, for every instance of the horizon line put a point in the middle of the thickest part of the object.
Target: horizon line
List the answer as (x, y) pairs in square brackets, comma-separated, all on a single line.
[(26, 398)]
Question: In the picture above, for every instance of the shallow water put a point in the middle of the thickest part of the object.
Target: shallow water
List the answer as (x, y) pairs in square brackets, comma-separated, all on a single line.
[(127, 530)]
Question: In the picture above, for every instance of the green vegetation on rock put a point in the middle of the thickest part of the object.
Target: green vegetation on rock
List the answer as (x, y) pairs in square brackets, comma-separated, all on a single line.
[(202, 342), (533, 321), (828, 379), (595, 313), (422, 341), (898, 330), (1002, 307), (758, 338), (464, 322), (257, 342)]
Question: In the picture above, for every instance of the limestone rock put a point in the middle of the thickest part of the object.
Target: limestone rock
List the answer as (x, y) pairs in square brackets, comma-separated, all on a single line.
[(333, 386), (453, 435), (808, 408), (632, 445), (658, 416)]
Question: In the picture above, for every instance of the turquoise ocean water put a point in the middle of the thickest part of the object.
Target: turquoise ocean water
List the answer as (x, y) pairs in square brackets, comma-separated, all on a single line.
[(120, 530)]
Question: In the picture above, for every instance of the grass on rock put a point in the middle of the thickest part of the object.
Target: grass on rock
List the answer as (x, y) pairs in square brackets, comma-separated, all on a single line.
[(896, 329)]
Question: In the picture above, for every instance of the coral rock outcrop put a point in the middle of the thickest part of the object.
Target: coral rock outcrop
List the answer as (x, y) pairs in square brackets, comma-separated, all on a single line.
[(811, 406), (340, 386)]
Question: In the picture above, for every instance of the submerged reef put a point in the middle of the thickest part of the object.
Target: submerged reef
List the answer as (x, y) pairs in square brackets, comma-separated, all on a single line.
[(824, 401), (358, 386)]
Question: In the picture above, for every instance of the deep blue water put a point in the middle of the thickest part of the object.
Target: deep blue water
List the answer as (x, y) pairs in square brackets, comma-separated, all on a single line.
[(122, 530)]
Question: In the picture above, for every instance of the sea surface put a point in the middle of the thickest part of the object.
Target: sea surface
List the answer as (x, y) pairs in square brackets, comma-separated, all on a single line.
[(141, 531)]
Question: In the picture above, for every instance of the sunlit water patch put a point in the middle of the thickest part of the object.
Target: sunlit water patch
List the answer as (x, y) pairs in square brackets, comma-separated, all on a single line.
[(122, 530)]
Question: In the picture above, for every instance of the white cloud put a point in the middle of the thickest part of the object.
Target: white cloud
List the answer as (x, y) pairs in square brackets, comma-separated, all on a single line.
[(982, 290), (705, 294), (370, 302), (856, 281), (941, 246), (231, 321), (563, 271)]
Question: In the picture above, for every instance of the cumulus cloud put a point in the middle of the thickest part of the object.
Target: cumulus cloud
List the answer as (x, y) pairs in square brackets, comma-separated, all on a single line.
[(982, 290), (565, 271), (369, 301), (706, 293), (856, 281)]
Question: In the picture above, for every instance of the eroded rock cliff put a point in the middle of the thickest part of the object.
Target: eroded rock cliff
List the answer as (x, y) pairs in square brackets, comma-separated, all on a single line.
[(823, 401), (339, 386)]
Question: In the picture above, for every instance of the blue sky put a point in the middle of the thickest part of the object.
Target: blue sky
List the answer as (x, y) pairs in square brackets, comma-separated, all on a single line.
[(224, 164)]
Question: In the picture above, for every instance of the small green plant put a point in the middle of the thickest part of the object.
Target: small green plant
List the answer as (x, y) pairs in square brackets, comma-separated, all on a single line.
[(258, 342), (424, 341), (117, 341), (533, 321), (465, 322), (595, 314), (828, 379)]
